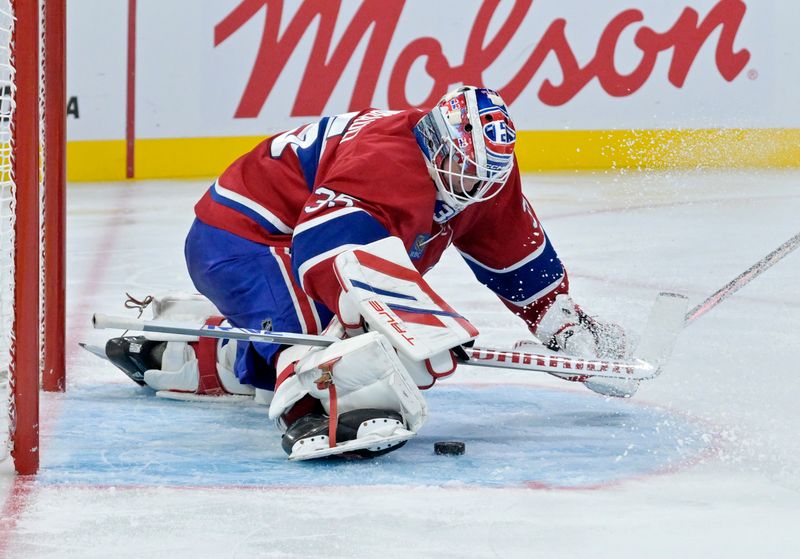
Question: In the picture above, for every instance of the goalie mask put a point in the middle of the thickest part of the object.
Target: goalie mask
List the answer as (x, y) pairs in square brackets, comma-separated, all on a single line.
[(468, 144)]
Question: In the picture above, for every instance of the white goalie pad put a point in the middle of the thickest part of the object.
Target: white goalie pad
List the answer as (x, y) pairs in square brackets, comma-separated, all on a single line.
[(380, 283), (179, 376), (180, 307), (183, 374), (365, 372)]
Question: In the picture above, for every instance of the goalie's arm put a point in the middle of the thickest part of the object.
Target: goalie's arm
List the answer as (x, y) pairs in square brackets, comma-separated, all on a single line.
[(324, 232), (509, 252)]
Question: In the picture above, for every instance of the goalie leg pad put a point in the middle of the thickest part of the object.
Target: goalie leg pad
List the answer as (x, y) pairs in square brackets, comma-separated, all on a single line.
[(176, 365), (175, 307), (347, 378), (200, 371), (179, 369), (366, 373), (253, 285)]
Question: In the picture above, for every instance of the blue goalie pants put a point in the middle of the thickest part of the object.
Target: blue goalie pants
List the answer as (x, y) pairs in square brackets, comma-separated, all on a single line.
[(253, 287)]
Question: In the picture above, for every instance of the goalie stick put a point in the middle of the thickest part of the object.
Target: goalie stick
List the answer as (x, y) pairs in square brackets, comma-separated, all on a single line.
[(660, 335), (743, 279), (663, 326), (666, 320), (522, 360), (104, 321)]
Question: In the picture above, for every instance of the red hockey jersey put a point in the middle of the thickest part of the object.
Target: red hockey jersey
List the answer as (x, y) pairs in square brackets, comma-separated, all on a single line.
[(354, 178)]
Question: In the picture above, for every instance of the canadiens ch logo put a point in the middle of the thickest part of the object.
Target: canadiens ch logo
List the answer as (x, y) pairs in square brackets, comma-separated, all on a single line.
[(498, 132)]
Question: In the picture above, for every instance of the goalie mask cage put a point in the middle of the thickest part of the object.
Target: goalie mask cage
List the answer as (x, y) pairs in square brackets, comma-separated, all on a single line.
[(32, 225)]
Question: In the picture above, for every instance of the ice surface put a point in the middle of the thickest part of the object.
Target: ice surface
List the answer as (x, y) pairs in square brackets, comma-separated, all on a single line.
[(703, 462), (517, 435)]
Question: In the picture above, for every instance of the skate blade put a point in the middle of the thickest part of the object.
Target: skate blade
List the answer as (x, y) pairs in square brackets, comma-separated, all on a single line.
[(372, 441), (95, 350)]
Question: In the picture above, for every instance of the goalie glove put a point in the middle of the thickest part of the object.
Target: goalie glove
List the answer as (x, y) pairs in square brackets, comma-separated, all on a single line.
[(566, 327)]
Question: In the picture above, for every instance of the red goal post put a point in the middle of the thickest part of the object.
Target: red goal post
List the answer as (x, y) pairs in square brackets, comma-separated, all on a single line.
[(32, 201)]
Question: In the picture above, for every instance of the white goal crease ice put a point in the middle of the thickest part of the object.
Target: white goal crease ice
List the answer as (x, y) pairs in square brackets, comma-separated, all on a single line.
[(32, 180)]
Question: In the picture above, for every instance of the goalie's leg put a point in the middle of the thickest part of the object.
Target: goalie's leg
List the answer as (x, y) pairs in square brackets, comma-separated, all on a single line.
[(253, 287), (353, 397), (180, 367)]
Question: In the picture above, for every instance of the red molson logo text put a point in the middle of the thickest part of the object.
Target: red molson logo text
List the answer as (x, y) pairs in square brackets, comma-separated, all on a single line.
[(378, 19)]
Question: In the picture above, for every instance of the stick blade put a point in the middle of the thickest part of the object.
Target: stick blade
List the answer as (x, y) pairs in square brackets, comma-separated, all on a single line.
[(663, 326)]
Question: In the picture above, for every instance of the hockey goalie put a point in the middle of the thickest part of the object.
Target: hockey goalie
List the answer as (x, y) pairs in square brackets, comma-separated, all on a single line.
[(329, 228)]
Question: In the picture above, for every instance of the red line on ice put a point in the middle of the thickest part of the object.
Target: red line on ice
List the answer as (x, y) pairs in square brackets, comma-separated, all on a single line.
[(18, 497)]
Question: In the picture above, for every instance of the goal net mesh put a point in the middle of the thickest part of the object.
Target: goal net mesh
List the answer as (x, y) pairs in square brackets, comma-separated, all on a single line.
[(7, 215), (9, 210)]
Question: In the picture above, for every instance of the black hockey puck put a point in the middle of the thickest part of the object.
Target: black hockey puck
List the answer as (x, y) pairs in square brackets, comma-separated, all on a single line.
[(450, 448)]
